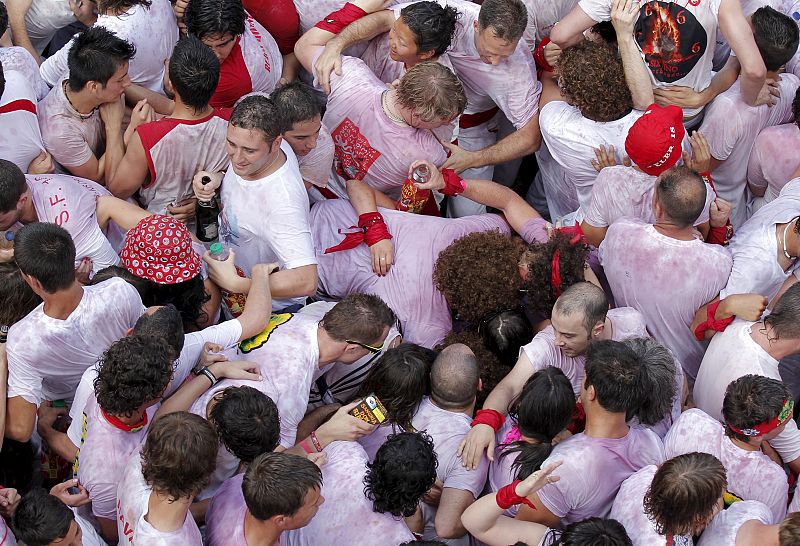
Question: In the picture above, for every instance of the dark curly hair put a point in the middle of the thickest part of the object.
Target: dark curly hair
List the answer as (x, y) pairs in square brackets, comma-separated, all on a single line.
[(246, 421), (18, 299), (538, 259), (133, 371), (478, 274), (179, 455), (402, 472), (400, 378), (188, 297), (542, 410), (592, 79)]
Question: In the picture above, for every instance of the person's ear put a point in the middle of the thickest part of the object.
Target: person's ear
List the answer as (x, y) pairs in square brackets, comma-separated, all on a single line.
[(427, 56), (276, 144), (480, 385), (597, 331)]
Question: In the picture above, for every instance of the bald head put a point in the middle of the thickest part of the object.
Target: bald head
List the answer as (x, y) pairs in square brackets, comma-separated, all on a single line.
[(681, 194), (583, 298), (454, 377)]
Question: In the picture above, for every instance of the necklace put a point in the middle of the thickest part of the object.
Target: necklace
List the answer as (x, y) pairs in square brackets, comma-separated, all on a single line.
[(392, 116), (66, 95), (786, 229)]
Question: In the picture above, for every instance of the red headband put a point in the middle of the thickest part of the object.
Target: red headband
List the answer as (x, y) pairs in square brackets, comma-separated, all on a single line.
[(765, 428)]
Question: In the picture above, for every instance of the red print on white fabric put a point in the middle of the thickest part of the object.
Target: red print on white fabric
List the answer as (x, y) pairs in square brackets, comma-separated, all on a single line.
[(353, 155)]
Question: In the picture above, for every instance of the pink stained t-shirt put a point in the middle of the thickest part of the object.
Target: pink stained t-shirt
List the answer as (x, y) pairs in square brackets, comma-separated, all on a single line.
[(724, 528), (103, 454), (133, 496), (731, 355), (593, 469), (315, 166), (752, 475), (408, 288), (731, 126), (628, 509), (368, 145), (226, 513), (621, 191), (346, 516), (20, 136), (769, 165), (542, 351), (287, 354), (755, 248), (71, 203), (687, 274), (47, 356)]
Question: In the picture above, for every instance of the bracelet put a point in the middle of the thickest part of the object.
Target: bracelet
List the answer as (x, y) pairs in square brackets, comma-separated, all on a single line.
[(3, 333), (506, 497), (490, 417), (209, 374), (315, 441), (305, 447)]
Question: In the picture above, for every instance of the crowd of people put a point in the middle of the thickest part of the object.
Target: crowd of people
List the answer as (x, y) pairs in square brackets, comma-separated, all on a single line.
[(510, 272)]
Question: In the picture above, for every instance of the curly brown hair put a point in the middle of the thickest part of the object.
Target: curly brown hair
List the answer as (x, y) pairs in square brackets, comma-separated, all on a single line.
[(478, 274), (538, 259), (492, 371), (591, 78)]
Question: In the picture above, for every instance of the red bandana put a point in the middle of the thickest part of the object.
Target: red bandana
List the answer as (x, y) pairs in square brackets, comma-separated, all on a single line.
[(115, 422)]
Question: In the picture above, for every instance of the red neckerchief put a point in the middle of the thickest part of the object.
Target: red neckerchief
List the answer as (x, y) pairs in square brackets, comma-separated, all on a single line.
[(116, 423)]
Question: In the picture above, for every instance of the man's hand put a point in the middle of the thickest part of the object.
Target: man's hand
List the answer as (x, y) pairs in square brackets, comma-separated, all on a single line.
[(236, 369), (9, 500), (183, 211), (623, 15), (83, 270), (479, 439), (330, 60), (205, 192), (607, 158), (435, 182), (382, 256), (434, 494), (224, 273), (537, 480), (112, 113), (769, 94), (47, 418), (343, 426), (179, 7), (700, 161), (685, 97), (61, 491), (141, 113), (551, 53), (460, 159), (318, 459), (719, 213), (211, 354), (748, 307), (42, 164)]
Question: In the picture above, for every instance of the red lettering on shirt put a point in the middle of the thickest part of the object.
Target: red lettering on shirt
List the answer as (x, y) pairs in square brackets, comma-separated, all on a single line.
[(55, 200), (257, 35), (353, 156), (62, 218)]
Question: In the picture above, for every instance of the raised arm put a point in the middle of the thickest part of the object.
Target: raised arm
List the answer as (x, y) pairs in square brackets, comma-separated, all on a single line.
[(737, 32), (569, 30), (258, 308), (623, 15), (17, 10)]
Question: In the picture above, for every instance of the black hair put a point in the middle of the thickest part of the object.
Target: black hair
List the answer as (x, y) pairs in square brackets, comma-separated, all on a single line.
[(165, 323), (750, 401), (591, 532), (3, 19), (260, 113), (796, 109), (46, 252), (2, 80), (12, 185), (403, 470), (659, 370), (276, 484), (504, 333), (297, 102), (96, 54), (209, 17), (613, 369), (120, 6), (194, 72), (785, 316), (433, 25), (682, 194), (246, 421), (133, 370), (41, 519), (543, 409), (776, 36), (508, 18), (18, 298), (188, 297)]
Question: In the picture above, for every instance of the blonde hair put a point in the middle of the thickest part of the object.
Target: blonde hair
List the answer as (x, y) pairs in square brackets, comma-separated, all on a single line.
[(789, 532), (432, 91)]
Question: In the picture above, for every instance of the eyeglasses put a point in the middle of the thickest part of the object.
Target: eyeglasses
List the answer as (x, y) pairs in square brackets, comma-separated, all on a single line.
[(371, 348)]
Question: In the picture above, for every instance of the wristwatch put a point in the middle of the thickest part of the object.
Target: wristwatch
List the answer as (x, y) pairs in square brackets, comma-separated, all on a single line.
[(208, 373)]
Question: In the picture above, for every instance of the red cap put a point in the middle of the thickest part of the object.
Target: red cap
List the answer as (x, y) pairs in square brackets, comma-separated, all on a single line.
[(655, 141), (159, 249)]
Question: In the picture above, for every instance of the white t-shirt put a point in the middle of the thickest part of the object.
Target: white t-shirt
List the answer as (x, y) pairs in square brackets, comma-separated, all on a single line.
[(20, 137), (542, 17), (637, 258), (755, 248), (315, 166), (593, 469), (71, 203), (152, 30), (133, 496), (571, 139), (752, 475), (346, 516), (45, 18), (731, 126), (20, 60), (725, 526), (47, 356), (675, 58), (792, 9), (628, 509), (277, 230), (226, 513), (769, 165), (621, 191), (730, 355)]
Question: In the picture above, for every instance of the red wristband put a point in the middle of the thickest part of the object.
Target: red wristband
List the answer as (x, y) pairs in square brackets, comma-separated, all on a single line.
[(305, 447), (490, 417), (538, 56), (336, 20), (712, 323), (374, 227), (720, 235), (507, 497), (453, 184)]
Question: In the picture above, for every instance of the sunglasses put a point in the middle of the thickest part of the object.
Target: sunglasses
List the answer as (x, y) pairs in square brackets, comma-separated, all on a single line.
[(371, 348)]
